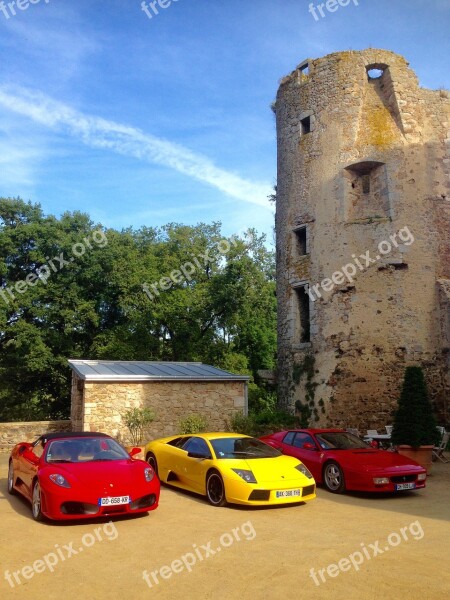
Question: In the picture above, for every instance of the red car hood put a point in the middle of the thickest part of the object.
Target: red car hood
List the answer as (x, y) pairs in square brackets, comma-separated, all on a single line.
[(101, 474), (373, 460)]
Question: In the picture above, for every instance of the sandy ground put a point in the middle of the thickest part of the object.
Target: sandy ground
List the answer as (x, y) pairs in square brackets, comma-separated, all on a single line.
[(401, 542)]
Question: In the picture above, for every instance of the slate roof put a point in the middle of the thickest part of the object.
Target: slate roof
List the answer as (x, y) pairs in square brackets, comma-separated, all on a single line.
[(122, 370)]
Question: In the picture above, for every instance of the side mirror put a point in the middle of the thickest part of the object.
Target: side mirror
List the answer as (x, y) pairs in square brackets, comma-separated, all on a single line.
[(308, 446), (198, 455), (134, 451)]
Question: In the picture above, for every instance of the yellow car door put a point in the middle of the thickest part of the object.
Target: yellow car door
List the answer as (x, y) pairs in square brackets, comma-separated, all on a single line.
[(194, 462)]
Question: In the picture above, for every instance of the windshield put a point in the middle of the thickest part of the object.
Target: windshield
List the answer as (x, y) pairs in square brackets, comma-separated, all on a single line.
[(340, 441), (242, 447), (75, 450)]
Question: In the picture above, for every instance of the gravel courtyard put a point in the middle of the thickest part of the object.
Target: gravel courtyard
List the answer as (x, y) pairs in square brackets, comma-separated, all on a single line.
[(356, 546)]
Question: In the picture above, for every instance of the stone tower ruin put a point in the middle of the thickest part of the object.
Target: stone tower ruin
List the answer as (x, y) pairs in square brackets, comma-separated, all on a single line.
[(363, 237)]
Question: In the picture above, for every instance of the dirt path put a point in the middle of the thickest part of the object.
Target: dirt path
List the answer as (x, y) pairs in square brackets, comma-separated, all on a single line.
[(264, 553)]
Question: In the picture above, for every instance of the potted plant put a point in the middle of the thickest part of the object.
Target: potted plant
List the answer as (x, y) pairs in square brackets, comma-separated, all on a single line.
[(415, 432), (137, 421)]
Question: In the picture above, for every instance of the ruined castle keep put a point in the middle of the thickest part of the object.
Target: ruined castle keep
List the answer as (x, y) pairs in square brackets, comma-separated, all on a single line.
[(363, 237)]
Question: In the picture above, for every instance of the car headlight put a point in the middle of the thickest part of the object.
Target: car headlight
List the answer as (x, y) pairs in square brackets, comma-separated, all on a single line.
[(421, 477), (149, 473), (304, 470), (60, 480), (380, 480), (246, 475)]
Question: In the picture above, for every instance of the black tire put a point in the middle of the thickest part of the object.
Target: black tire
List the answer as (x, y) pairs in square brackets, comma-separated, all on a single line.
[(11, 489), (215, 489), (151, 459), (333, 478), (36, 502)]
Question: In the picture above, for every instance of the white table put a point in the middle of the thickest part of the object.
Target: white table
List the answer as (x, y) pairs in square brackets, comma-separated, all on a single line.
[(384, 439)]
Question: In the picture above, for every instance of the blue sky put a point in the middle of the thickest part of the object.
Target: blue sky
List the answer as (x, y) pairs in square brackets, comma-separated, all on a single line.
[(141, 121)]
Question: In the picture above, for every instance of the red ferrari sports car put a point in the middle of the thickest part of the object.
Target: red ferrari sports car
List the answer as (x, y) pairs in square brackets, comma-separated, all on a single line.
[(342, 461), (81, 475)]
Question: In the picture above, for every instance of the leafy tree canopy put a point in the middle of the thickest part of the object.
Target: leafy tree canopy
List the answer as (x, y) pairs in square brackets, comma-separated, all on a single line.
[(70, 288)]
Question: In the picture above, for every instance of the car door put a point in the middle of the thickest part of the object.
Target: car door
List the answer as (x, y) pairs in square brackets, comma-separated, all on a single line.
[(192, 469), (302, 445), (29, 464)]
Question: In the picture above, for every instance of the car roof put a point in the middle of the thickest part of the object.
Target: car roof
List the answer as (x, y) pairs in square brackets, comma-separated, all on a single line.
[(324, 430), (208, 436), (56, 435)]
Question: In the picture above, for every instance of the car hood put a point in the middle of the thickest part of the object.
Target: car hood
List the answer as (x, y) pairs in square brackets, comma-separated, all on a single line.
[(379, 459), (279, 468), (100, 474)]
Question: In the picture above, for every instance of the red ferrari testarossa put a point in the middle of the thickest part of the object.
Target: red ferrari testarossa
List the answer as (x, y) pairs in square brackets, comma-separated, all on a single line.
[(81, 475), (342, 461)]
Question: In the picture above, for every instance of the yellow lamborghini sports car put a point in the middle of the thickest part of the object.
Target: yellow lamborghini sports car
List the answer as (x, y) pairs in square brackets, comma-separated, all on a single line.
[(229, 467)]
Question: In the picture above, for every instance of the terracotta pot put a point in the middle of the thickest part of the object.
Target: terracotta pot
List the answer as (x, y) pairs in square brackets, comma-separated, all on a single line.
[(421, 455)]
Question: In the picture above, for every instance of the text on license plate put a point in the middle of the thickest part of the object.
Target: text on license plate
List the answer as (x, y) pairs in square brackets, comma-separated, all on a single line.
[(287, 493), (405, 486), (114, 501)]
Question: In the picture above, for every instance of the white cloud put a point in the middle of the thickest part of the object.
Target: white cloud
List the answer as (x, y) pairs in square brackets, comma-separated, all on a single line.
[(100, 133)]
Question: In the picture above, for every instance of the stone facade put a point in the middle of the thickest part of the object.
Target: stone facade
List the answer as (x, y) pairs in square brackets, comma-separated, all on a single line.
[(13, 433), (99, 406), (363, 172)]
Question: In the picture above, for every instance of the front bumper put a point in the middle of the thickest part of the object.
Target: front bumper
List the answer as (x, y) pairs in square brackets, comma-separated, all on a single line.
[(66, 504), (265, 494)]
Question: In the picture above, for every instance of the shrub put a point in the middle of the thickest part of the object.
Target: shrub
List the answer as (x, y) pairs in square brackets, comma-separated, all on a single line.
[(193, 424), (240, 423), (414, 422), (137, 420), (261, 423)]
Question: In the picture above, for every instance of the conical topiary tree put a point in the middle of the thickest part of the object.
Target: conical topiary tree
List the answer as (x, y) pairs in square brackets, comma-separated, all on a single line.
[(414, 422)]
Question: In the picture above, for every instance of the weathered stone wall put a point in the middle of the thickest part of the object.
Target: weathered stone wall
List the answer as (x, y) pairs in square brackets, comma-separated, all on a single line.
[(76, 402), (13, 433), (395, 135), (105, 403)]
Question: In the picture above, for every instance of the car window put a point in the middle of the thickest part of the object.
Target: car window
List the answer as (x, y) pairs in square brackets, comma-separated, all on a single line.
[(74, 450), (179, 441), (195, 444), (288, 438), (340, 440), (243, 447), (302, 438)]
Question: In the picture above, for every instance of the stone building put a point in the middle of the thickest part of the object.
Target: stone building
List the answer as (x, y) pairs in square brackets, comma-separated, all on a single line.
[(103, 390), (363, 230)]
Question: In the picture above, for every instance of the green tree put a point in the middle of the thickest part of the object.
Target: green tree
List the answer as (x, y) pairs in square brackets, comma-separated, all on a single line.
[(414, 422), (220, 309)]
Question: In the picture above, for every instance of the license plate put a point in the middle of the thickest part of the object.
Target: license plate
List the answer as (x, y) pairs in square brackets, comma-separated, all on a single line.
[(114, 501), (405, 486), (288, 493)]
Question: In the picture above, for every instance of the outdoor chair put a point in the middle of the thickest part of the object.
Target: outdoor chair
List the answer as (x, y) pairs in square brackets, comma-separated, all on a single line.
[(353, 430), (371, 432), (438, 451)]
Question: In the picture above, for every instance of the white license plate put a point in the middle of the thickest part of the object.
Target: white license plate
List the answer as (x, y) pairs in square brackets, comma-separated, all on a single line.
[(405, 486), (114, 501), (287, 493)]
